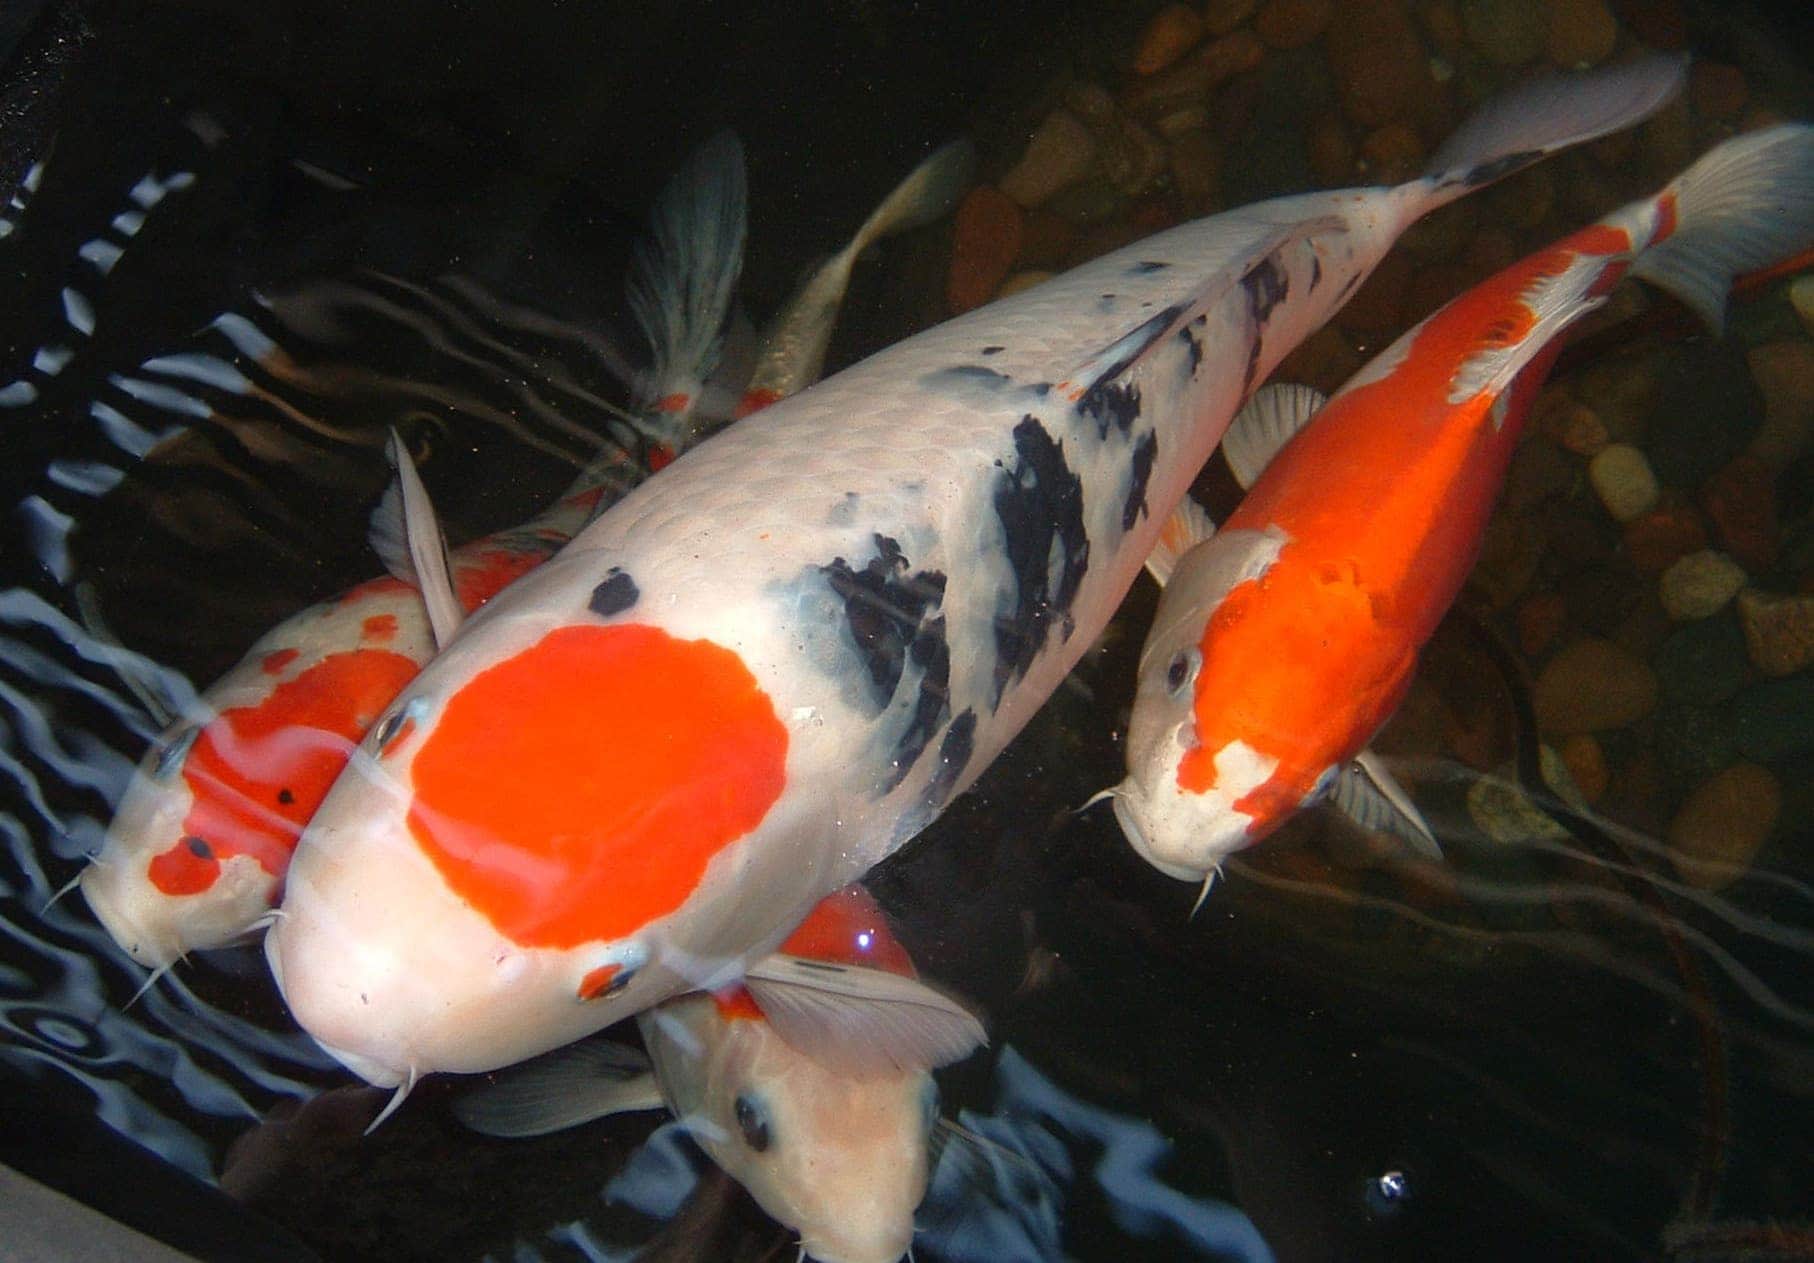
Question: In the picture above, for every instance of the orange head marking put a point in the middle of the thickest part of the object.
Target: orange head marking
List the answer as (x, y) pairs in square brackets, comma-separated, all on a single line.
[(630, 759)]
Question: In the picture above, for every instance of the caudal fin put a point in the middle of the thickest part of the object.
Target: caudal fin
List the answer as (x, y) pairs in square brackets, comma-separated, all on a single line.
[(1539, 118), (1748, 203), (928, 192)]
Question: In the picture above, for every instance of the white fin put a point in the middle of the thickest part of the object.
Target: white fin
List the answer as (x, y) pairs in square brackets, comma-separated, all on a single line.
[(569, 1086), (683, 273), (406, 535), (1368, 795), (1264, 425), (1536, 119), (1748, 203), (861, 1021), (930, 191), (1188, 526)]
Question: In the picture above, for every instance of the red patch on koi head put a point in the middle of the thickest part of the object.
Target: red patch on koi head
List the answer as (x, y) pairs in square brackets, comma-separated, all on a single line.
[(275, 662), (848, 928), (257, 773), (576, 791), (379, 627)]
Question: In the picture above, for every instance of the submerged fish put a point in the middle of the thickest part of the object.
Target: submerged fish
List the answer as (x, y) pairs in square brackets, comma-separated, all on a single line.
[(841, 1159), (1288, 637), (778, 660)]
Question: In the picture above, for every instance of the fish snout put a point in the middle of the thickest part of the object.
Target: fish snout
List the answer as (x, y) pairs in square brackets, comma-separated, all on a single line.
[(132, 914)]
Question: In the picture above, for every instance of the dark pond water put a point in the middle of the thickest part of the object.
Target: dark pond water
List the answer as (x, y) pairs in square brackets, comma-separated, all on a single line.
[(246, 239)]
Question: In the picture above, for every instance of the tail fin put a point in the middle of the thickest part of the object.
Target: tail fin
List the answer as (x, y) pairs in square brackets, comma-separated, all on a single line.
[(1539, 118), (930, 191), (1748, 203), (683, 273)]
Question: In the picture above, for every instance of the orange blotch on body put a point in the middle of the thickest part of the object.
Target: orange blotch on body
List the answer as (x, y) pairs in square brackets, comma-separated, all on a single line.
[(631, 759), (379, 627), (275, 662)]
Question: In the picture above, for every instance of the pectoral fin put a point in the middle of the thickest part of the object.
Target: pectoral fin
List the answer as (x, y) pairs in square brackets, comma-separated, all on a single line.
[(406, 535), (1188, 526), (1264, 425), (569, 1086), (1368, 795), (861, 1021)]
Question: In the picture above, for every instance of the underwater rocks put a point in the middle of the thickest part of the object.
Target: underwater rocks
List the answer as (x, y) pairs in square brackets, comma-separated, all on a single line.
[(1723, 823), (1699, 584), (1590, 685), (1779, 632), (1622, 476)]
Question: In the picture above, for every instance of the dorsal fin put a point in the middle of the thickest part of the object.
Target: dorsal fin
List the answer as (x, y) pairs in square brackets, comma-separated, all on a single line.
[(1188, 526), (1367, 794), (1266, 424), (407, 537)]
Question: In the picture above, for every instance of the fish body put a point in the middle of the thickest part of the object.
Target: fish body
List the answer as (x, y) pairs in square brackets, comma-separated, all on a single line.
[(841, 1159), (774, 663), (1284, 641)]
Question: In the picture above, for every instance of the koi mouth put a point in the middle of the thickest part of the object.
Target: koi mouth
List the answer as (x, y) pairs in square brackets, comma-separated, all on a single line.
[(1136, 837)]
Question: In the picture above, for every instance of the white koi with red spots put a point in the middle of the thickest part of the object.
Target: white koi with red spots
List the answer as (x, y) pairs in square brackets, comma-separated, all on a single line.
[(774, 663), (1286, 639)]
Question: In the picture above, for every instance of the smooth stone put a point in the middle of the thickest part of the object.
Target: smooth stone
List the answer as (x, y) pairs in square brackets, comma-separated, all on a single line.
[(1061, 151), (1086, 204), (1740, 502), (1700, 584), (984, 244), (1723, 824), (1623, 390), (1784, 373), (1585, 760), (1774, 719), (1696, 741), (1537, 472), (1600, 597), (1576, 428), (1623, 478), (1663, 536), (1510, 553), (1195, 159), (1381, 72), (1703, 662), (1541, 618), (1592, 684), (1173, 31), (1131, 156), (1779, 631), (1581, 33), (1503, 812), (1392, 154)]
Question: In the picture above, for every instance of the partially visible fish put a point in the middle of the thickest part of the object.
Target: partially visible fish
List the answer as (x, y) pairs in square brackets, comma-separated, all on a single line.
[(1285, 639), (767, 668), (792, 354), (840, 1159)]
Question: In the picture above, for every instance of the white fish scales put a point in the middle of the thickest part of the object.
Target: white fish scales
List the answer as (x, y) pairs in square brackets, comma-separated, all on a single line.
[(767, 668)]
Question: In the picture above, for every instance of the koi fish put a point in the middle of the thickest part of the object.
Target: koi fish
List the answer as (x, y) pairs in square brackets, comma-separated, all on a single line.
[(1286, 638), (840, 1159), (772, 664), (792, 354), (198, 847)]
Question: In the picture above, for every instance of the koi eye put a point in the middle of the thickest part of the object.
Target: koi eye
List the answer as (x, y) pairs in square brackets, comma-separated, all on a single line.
[(752, 1120), (1183, 671), (198, 848), (171, 757), (387, 728)]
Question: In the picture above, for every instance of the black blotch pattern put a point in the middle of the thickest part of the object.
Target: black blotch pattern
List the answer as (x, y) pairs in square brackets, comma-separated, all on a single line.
[(1193, 349), (1316, 272), (285, 797), (614, 595), (1039, 502), (994, 350), (931, 652), (965, 375), (1147, 266), (1267, 285), (953, 756), (886, 608), (1487, 172), (1141, 470), (1111, 405)]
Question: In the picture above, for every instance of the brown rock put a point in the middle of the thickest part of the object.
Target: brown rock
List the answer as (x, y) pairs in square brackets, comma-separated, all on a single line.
[(1331, 151), (1174, 30), (1188, 118), (1624, 390), (1023, 280), (1740, 501), (1779, 631), (1131, 156), (1061, 152), (1592, 685), (1668, 137), (1581, 33), (1292, 23), (1233, 54), (1577, 428), (1045, 240), (1784, 373), (1699, 584), (1659, 538), (1381, 72), (1507, 32), (1196, 166), (1723, 824), (985, 243), (1222, 16), (1541, 617), (1510, 552), (1622, 477), (1717, 90), (1586, 764), (1392, 154)]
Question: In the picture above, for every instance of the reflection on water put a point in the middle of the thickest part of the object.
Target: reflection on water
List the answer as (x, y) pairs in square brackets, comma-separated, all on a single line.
[(1556, 1043)]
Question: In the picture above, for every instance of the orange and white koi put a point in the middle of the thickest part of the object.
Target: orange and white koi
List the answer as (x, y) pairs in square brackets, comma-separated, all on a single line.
[(1289, 636), (841, 1159), (768, 667)]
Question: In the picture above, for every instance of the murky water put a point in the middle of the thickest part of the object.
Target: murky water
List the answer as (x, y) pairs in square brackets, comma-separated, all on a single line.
[(244, 244)]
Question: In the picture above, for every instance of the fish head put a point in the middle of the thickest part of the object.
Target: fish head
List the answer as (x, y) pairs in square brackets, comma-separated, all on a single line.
[(841, 1159), (540, 837), (1176, 819)]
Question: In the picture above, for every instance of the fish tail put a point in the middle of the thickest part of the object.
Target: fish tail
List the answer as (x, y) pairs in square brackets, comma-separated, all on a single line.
[(1745, 205), (929, 191), (1537, 119), (683, 273)]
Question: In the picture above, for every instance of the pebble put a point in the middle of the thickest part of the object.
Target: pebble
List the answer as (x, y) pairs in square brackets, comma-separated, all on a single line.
[(1801, 297), (1195, 160), (1174, 30), (1723, 824), (1740, 502), (1331, 151), (1541, 618), (1510, 552), (1771, 719), (1779, 631), (1601, 597), (1575, 427), (1702, 663), (1392, 154), (1086, 203), (985, 242), (1784, 373), (1045, 240), (1656, 540), (1381, 73), (1536, 473), (1623, 390), (1590, 685), (1233, 54), (1222, 16), (1502, 811), (1131, 156), (1621, 476), (1061, 152), (1585, 760), (1700, 584), (1709, 406), (1507, 32), (1292, 23), (1581, 33)]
